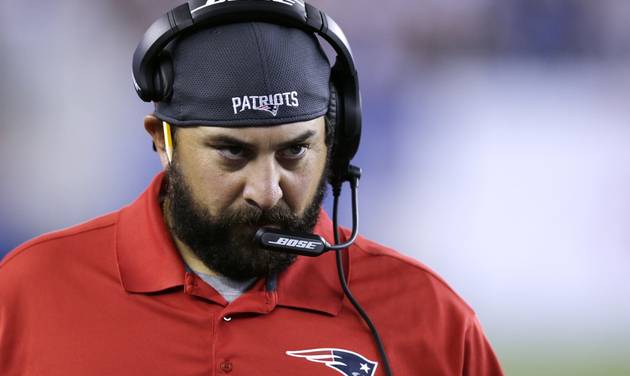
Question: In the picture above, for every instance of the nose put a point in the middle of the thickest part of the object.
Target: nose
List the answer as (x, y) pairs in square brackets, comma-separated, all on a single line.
[(262, 188)]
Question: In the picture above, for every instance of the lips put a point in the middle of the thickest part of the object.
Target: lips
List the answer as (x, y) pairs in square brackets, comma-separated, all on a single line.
[(255, 227)]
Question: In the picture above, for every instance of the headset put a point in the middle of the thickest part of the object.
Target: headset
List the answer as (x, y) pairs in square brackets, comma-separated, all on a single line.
[(153, 79)]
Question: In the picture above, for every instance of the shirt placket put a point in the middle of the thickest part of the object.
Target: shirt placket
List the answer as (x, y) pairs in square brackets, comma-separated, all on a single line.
[(226, 318)]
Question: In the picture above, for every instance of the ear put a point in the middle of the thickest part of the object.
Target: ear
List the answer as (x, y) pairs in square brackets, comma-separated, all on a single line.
[(155, 129)]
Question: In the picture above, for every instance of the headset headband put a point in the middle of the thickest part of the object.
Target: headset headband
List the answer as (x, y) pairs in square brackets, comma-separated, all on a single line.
[(293, 13)]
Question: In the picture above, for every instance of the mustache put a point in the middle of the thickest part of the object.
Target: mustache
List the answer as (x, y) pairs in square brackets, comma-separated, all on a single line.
[(280, 215)]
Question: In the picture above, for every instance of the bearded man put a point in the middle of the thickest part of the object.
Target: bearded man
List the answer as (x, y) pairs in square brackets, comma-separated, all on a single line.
[(247, 132)]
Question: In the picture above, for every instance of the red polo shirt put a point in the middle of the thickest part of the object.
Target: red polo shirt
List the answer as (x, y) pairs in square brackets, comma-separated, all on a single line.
[(112, 297)]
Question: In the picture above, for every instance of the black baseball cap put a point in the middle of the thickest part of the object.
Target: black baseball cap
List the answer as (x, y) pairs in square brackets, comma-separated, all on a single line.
[(245, 75)]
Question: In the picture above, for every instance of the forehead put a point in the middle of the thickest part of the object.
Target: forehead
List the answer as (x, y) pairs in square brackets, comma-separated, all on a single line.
[(260, 135)]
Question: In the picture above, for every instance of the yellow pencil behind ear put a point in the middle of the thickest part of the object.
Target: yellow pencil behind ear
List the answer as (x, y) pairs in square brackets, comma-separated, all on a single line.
[(168, 141)]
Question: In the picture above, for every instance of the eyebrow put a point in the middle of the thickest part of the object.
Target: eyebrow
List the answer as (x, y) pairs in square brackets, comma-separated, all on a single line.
[(230, 140)]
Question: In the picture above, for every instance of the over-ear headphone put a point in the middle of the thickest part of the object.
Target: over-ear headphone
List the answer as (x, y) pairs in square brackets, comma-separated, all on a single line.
[(153, 76)]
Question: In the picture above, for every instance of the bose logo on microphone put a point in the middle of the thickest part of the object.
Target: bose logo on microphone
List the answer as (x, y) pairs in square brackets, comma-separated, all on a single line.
[(296, 243)]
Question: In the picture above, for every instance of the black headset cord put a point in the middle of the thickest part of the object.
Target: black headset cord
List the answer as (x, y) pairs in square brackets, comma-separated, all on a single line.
[(354, 180)]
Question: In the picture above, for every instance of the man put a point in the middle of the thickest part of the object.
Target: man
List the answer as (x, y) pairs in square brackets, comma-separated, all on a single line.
[(175, 284)]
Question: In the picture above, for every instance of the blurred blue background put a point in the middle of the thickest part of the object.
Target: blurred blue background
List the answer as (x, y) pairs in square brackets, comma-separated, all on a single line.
[(496, 149)]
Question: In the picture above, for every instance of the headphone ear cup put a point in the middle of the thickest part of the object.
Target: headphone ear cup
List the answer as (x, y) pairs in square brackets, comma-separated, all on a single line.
[(163, 78), (333, 116), (346, 114)]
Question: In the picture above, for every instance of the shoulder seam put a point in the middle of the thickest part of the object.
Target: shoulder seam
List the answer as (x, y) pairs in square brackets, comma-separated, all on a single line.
[(426, 271), (52, 237)]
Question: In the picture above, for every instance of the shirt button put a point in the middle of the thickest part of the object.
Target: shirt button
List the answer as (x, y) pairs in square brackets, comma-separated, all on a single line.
[(227, 318), (226, 366)]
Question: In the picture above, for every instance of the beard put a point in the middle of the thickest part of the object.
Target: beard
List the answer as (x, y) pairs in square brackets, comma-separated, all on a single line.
[(225, 242)]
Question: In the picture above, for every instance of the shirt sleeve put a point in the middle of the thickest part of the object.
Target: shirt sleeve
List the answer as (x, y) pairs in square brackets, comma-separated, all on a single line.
[(479, 358)]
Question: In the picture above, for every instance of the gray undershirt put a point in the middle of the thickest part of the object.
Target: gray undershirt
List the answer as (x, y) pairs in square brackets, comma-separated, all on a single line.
[(228, 288)]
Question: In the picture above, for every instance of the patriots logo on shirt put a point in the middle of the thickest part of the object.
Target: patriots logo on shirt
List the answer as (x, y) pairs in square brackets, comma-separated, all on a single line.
[(345, 362)]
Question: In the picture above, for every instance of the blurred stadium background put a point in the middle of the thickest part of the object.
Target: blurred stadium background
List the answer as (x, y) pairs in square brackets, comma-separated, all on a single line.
[(496, 149)]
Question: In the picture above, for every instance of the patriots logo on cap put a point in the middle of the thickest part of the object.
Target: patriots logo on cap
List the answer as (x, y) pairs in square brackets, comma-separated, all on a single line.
[(270, 103), (345, 362), (273, 109)]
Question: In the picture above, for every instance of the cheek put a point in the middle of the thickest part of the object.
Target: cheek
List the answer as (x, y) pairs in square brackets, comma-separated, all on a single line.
[(212, 187), (302, 185)]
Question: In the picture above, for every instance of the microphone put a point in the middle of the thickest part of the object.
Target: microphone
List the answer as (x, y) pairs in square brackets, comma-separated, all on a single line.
[(312, 245), (288, 242)]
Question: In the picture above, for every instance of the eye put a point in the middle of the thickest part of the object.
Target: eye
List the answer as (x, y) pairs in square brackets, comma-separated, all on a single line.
[(232, 152), (296, 151)]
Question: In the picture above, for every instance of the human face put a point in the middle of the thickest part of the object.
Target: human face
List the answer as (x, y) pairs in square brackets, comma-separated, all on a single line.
[(220, 231), (228, 169)]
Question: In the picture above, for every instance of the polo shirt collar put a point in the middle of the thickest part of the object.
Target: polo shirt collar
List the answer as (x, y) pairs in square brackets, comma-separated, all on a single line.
[(148, 260)]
